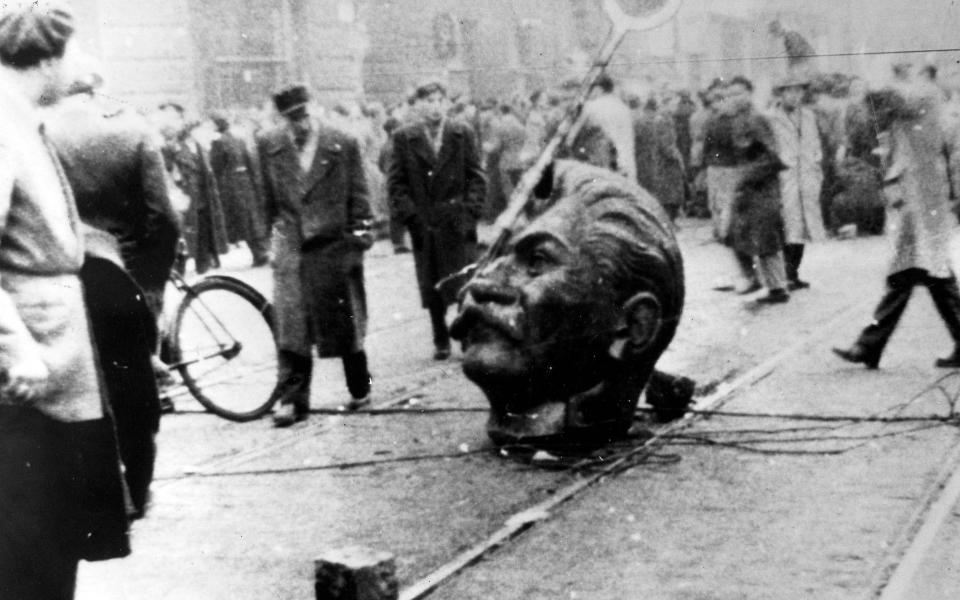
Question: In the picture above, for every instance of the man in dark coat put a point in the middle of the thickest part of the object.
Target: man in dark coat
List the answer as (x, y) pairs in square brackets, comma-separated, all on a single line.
[(658, 161), (242, 208), (117, 175), (741, 150), (438, 188), (757, 222), (316, 201), (204, 228)]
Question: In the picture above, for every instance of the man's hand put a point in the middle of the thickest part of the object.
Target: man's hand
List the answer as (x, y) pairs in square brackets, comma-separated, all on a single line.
[(24, 382)]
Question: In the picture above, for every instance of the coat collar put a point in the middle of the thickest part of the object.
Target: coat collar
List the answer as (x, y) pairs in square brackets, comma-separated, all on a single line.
[(420, 144), (329, 149)]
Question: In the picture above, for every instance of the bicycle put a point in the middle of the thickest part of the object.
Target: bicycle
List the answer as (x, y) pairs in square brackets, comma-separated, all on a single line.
[(221, 343)]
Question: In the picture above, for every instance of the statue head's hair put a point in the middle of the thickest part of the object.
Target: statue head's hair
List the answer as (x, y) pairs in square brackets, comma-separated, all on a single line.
[(627, 238)]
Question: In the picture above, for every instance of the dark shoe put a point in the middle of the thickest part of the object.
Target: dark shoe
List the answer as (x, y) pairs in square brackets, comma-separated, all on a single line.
[(401, 250), (357, 403), (798, 284), (777, 296), (949, 362), (442, 353), (260, 261), (288, 414), (858, 355), (749, 288), (723, 287)]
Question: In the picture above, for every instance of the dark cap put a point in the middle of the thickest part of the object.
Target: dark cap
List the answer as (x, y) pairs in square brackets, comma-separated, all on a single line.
[(220, 120), (172, 105), (31, 32), (292, 101), (791, 82), (428, 88)]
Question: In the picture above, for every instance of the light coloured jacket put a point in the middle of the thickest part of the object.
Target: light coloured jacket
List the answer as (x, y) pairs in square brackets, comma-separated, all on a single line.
[(800, 150), (924, 159), (42, 312)]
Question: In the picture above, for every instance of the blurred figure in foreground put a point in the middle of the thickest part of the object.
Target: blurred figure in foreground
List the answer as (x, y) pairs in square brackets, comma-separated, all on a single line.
[(61, 491)]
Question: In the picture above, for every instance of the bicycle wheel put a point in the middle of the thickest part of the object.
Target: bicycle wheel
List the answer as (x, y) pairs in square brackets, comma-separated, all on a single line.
[(223, 347)]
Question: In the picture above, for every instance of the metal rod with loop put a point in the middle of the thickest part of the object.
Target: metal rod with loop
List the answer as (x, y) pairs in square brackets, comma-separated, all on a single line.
[(622, 23)]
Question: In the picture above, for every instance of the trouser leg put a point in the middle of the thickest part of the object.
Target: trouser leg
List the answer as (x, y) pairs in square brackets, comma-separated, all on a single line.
[(438, 320), (887, 314), (294, 372), (946, 297), (357, 375), (39, 540), (259, 250), (397, 233), (771, 271), (793, 256), (745, 267)]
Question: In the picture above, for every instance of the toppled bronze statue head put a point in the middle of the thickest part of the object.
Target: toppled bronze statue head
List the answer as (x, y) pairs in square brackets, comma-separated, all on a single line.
[(563, 329)]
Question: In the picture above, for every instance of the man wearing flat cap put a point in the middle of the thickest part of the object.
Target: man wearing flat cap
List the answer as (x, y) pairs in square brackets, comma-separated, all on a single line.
[(316, 201), (61, 494)]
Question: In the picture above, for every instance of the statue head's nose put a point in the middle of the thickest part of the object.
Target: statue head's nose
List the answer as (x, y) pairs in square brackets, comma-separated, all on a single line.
[(484, 291)]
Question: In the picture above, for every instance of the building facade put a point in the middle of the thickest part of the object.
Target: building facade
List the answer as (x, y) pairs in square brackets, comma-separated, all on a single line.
[(234, 53), (223, 53)]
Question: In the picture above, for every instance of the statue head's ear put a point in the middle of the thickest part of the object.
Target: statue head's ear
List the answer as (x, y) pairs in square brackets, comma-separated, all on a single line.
[(640, 325)]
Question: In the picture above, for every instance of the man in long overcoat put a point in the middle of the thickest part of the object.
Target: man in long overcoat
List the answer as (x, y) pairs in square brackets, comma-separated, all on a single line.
[(61, 491), (919, 184), (316, 201), (242, 208), (204, 228), (799, 147), (658, 161), (437, 186)]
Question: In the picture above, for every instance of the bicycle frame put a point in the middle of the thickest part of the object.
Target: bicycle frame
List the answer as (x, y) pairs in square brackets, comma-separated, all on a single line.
[(227, 350)]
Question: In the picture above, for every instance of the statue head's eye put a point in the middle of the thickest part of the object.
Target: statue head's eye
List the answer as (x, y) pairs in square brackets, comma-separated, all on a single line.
[(539, 261), (540, 252)]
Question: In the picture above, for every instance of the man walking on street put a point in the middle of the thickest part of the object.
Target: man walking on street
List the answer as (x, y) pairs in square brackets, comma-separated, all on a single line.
[(61, 493), (316, 201), (438, 187), (798, 145), (921, 171)]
